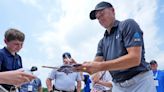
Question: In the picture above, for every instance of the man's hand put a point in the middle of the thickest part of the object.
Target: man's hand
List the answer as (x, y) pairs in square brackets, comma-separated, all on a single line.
[(96, 78), (89, 67), (16, 77)]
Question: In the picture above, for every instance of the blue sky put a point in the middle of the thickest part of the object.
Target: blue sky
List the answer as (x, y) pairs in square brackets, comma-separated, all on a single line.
[(55, 26)]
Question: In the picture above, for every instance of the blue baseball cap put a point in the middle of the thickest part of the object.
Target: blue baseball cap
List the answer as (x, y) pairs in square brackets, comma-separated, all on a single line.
[(99, 6), (66, 54)]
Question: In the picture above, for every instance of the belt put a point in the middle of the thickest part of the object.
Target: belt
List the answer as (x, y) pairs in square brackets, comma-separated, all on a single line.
[(107, 91), (62, 90)]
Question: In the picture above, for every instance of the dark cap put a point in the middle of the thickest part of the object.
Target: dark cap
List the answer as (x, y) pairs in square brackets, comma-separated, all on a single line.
[(99, 6), (153, 62), (66, 55)]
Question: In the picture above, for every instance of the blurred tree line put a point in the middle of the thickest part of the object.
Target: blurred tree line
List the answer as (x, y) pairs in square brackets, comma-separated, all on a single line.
[(45, 89)]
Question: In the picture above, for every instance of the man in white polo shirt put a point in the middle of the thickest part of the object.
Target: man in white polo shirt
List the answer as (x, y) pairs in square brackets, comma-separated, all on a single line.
[(64, 82)]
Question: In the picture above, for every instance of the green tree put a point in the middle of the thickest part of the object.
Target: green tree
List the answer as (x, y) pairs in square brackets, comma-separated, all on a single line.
[(45, 89)]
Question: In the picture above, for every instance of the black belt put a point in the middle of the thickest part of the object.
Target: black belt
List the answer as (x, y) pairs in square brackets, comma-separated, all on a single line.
[(62, 90), (107, 91)]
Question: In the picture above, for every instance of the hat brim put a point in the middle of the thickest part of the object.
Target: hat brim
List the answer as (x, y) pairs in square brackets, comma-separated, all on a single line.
[(93, 15), (93, 12), (152, 63)]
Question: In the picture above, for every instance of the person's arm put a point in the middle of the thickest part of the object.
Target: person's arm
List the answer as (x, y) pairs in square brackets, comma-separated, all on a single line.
[(16, 77), (98, 59), (82, 76), (40, 89), (78, 86), (95, 78), (49, 84), (132, 59), (39, 86), (105, 83)]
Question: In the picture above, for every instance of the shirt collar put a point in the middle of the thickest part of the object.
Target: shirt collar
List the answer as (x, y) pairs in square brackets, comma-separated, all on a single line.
[(116, 23), (8, 53)]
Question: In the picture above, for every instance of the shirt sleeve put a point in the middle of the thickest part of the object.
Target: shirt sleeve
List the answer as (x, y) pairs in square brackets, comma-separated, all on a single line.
[(132, 34), (52, 75), (39, 83), (79, 77), (1, 59), (100, 48)]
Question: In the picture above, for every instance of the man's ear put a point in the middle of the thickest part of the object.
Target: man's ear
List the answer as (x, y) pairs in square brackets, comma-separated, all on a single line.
[(5, 41)]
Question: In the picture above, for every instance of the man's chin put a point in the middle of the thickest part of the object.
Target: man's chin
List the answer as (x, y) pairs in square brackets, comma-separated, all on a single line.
[(16, 51)]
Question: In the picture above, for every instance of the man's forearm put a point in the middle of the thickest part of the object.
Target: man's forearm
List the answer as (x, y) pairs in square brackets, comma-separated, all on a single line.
[(2, 78), (107, 84), (79, 86), (40, 89), (131, 59), (121, 63), (49, 85)]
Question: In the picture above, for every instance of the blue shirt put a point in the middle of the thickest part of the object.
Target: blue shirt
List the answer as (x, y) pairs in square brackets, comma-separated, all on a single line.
[(87, 82), (32, 86), (113, 45), (9, 62), (159, 75)]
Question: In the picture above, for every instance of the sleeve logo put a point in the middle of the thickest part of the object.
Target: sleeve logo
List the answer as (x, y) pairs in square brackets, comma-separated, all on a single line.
[(137, 37)]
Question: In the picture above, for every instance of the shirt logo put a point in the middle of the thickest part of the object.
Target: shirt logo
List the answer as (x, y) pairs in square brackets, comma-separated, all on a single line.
[(137, 37), (117, 36)]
